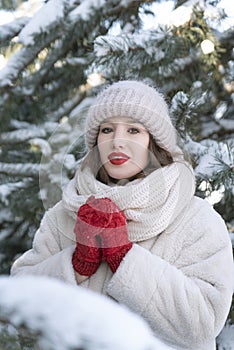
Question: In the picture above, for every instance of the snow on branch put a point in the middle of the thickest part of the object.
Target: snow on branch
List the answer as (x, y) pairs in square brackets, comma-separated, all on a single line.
[(7, 189), (219, 127), (67, 106), (21, 135), (86, 9), (17, 63), (26, 132), (66, 317), (9, 30), (215, 160), (44, 23), (108, 44), (22, 58), (52, 56), (179, 65), (50, 13), (20, 169), (227, 38)]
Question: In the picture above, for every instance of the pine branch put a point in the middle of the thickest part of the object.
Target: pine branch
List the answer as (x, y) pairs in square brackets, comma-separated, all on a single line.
[(35, 79), (214, 163), (22, 59), (20, 169), (121, 44), (7, 189), (55, 54), (67, 107), (218, 128), (226, 39), (32, 31), (10, 30), (21, 135), (178, 3), (129, 5)]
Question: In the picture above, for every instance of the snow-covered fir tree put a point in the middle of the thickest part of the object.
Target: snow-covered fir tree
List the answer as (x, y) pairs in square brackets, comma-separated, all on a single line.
[(55, 55), (58, 327)]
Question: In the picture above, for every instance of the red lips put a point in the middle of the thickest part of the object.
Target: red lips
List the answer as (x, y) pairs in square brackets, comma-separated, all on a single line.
[(118, 158)]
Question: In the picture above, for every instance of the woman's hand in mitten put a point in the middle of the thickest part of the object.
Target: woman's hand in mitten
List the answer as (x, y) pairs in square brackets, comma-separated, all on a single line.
[(114, 238), (90, 220)]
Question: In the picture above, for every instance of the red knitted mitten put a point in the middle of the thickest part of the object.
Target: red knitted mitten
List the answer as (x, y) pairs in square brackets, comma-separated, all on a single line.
[(114, 239), (89, 223)]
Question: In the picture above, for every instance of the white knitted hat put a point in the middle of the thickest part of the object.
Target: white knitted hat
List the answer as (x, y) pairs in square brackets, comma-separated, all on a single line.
[(136, 100)]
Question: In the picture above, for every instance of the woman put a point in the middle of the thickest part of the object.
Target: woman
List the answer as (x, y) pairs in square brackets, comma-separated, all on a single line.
[(141, 236)]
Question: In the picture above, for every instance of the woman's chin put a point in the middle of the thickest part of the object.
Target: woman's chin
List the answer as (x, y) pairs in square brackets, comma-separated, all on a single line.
[(120, 175)]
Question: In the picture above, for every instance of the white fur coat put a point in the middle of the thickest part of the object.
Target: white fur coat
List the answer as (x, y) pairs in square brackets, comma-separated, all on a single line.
[(179, 277)]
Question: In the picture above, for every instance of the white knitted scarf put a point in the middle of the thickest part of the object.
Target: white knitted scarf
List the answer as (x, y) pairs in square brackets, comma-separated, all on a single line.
[(150, 204)]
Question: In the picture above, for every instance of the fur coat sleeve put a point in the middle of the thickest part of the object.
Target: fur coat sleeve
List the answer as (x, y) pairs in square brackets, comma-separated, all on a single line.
[(51, 252), (183, 286)]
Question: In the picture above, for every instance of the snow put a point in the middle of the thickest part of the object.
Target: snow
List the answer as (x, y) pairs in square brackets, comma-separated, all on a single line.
[(19, 169), (100, 47), (12, 28), (227, 124), (165, 14), (212, 157), (27, 8), (104, 45), (208, 162), (42, 144), (22, 135), (76, 61), (44, 15), (125, 3), (226, 338), (227, 5), (10, 71), (7, 189), (5, 215), (85, 9), (180, 16), (51, 12), (75, 318), (220, 110), (69, 161), (179, 97), (6, 17)]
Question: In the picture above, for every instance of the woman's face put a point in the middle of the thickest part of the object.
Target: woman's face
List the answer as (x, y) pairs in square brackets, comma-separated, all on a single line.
[(123, 147)]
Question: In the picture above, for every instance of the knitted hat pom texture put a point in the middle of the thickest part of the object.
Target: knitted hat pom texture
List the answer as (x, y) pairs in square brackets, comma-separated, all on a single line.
[(135, 100)]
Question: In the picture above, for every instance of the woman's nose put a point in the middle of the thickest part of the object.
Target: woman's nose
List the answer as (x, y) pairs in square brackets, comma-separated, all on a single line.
[(119, 139)]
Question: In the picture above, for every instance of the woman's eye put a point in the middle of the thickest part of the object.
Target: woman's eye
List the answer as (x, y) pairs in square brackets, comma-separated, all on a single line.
[(133, 131), (106, 130)]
